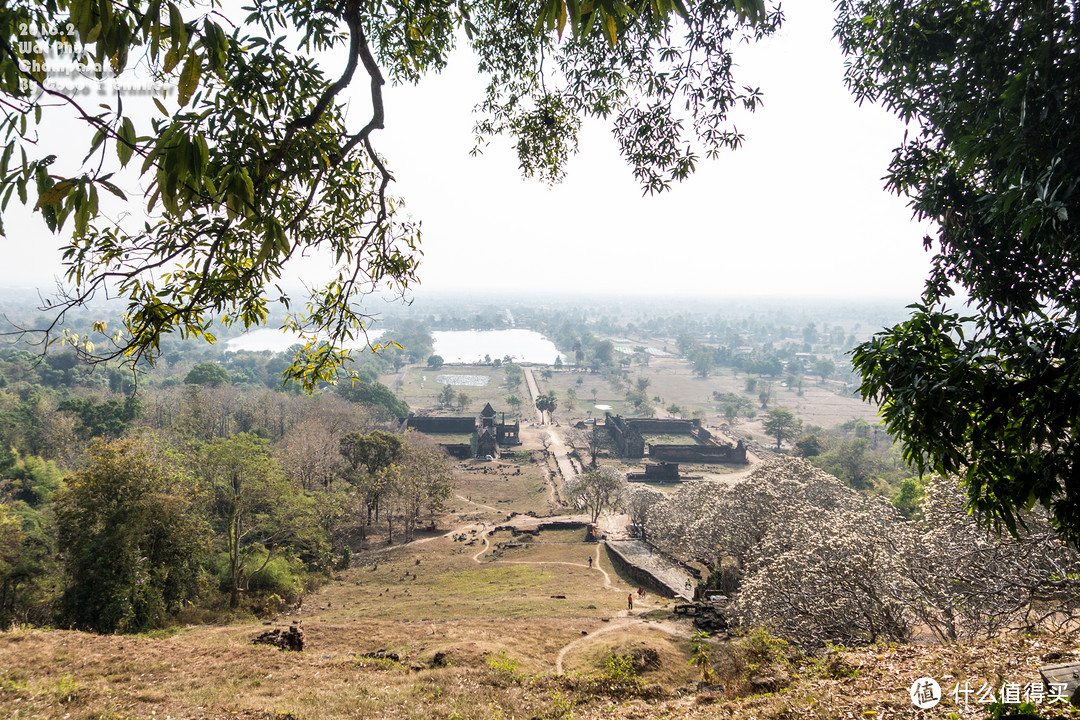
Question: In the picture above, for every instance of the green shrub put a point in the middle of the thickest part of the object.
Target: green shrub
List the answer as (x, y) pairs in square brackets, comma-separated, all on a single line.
[(504, 669), (280, 576)]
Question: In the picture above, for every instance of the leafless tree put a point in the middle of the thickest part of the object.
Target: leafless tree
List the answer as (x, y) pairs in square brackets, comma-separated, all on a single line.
[(596, 490)]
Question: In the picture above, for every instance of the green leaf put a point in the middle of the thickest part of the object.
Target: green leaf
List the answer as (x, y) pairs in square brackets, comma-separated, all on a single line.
[(94, 33), (113, 189), (189, 78), (172, 59), (177, 30), (611, 30), (125, 143), (55, 194)]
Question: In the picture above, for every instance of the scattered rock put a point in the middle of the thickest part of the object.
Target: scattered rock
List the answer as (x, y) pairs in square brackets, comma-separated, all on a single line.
[(291, 639), (709, 697), (770, 679), (645, 658)]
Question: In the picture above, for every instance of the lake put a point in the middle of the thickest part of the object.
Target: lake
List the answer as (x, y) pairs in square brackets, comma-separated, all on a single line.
[(274, 340), (455, 346), (470, 346)]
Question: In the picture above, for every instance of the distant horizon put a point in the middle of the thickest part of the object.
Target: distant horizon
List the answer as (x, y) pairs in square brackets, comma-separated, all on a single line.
[(532, 295)]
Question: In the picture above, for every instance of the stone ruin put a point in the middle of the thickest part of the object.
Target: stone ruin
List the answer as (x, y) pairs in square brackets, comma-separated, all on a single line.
[(662, 472), (487, 436), (627, 434), (290, 639)]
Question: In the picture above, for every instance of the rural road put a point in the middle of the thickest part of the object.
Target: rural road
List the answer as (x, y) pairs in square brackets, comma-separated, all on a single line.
[(556, 443)]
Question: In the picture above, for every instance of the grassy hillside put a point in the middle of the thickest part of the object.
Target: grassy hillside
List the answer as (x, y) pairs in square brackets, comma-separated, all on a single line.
[(479, 633)]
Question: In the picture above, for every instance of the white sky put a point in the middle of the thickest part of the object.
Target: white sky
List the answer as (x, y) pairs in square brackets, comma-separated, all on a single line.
[(799, 210)]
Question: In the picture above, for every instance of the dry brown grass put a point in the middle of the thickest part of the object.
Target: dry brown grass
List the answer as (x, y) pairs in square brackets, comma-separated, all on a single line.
[(507, 485), (492, 670), (421, 390), (497, 622), (672, 667)]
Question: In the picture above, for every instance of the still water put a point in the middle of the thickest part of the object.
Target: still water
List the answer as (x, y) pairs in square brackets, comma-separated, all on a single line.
[(455, 346), (470, 346)]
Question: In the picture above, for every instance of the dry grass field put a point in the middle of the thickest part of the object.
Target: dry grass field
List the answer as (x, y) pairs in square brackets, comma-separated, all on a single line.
[(490, 490), (452, 638), (434, 629), (674, 382), (420, 387), (459, 626)]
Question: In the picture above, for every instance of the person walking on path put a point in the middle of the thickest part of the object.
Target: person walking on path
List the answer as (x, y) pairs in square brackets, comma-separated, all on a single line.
[(590, 562), (630, 601)]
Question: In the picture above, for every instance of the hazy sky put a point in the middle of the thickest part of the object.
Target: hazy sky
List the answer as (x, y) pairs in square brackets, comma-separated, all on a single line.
[(798, 210)]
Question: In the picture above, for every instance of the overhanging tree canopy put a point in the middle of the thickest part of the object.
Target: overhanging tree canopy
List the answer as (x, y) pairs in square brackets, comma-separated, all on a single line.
[(994, 160), (256, 162)]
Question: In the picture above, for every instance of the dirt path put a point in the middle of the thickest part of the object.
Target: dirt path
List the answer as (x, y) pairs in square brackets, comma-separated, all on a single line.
[(473, 502), (628, 619), (534, 392), (556, 443)]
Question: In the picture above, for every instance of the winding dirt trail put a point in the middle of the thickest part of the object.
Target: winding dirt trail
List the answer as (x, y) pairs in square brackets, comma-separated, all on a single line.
[(473, 502), (627, 620)]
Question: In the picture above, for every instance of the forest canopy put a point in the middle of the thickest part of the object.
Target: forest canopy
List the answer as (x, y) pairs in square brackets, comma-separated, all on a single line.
[(983, 379)]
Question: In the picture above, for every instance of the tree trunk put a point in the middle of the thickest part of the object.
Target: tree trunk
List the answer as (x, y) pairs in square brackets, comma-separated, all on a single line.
[(235, 569)]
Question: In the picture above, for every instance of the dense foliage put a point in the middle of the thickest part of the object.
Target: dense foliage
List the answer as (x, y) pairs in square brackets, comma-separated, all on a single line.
[(131, 537), (121, 513), (993, 396), (820, 562)]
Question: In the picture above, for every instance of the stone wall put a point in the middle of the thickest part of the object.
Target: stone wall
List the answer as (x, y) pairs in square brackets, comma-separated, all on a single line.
[(699, 453), (458, 450), (627, 440), (649, 567), (656, 472), (663, 426), (442, 425)]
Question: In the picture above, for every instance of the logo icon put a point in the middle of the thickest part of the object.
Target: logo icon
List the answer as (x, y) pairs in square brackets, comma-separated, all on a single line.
[(925, 693)]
